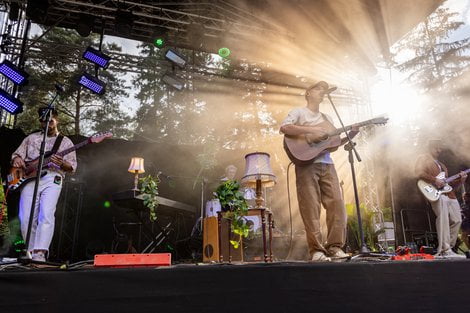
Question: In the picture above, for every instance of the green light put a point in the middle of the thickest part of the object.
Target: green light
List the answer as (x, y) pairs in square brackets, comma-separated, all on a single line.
[(159, 42), (224, 52), (107, 204), (18, 245)]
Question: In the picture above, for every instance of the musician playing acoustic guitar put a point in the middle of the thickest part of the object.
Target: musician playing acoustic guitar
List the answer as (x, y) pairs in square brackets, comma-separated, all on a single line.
[(50, 185), (446, 208), (317, 182)]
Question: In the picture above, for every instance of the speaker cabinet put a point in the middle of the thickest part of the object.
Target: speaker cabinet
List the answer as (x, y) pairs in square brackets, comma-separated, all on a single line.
[(210, 248)]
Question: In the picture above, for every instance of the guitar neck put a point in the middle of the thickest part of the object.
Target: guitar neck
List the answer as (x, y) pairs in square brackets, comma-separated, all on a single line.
[(454, 177), (348, 128), (77, 146)]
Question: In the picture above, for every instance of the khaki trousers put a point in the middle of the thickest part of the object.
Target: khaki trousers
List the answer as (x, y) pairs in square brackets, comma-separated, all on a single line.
[(318, 184), (447, 222)]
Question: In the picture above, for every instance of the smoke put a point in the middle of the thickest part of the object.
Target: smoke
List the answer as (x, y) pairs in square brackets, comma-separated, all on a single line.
[(285, 46)]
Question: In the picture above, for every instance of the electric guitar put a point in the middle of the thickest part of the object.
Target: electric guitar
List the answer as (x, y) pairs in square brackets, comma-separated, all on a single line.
[(19, 176), (303, 149), (431, 192)]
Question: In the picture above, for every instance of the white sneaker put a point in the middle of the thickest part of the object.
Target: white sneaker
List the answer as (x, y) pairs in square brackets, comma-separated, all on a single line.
[(337, 253), (320, 257), (39, 256), (449, 254)]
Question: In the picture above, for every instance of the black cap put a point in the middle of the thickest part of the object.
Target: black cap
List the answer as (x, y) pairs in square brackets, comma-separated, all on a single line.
[(43, 109), (322, 83)]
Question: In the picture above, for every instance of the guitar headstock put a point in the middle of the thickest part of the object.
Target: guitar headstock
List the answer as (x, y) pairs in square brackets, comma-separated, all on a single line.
[(100, 137), (382, 120)]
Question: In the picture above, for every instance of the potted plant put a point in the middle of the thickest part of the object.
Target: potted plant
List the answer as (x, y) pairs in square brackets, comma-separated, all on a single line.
[(149, 190), (234, 208)]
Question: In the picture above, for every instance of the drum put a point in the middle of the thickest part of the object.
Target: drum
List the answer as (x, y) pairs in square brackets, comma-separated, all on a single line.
[(212, 207), (254, 222)]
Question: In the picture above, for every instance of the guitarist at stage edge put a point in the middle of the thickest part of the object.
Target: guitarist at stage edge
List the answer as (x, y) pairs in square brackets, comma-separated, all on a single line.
[(446, 208), (49, 188), (317, 182)]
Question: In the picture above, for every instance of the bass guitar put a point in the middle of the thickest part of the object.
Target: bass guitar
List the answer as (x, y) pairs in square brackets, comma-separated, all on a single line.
[(19, 176), (431, 192), (303, 149)]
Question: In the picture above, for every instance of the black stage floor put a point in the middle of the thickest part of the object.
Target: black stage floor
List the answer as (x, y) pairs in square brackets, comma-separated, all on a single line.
[(413, 286)]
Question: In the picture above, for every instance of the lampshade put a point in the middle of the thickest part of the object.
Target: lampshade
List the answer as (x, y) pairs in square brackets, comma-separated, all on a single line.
[(257, 167), (136, 166)]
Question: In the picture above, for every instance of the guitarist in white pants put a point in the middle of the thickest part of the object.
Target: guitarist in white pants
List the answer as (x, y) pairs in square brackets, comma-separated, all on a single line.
[(446, 208), (50, 186), (317, 182)]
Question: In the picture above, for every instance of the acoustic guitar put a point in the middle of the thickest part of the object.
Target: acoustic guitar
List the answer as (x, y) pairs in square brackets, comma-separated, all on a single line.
[(303, 149), (18, 176)]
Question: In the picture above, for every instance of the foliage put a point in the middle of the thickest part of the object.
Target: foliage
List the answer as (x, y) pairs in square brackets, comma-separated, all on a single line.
[(3, 212), (435, 59), (234, 207), (187, 116), (149, 189), (82, 112), (370, 234), (387, 214)]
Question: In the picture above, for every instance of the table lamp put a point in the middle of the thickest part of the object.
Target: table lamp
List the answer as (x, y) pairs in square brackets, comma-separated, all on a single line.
[(258, 173), (136, 167)]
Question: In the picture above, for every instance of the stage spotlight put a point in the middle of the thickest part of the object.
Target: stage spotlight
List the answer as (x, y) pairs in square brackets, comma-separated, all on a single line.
[(175, 57), (97, 57), (224, 52), (11, 71), (123, 22), (14, 11), (10, 103), (159, 37), (36, 10), (85, 25), (159, 42), (92, 83), (173, 81)]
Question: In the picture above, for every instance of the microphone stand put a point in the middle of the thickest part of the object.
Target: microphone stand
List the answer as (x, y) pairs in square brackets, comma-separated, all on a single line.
[(350, 147), (26, 258)]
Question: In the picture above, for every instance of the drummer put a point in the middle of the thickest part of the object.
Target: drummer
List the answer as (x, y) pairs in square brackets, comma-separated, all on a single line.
[(213, 206), (230, 172)]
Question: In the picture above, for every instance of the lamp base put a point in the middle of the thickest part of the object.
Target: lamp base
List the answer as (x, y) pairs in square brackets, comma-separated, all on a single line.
[(136, 182)]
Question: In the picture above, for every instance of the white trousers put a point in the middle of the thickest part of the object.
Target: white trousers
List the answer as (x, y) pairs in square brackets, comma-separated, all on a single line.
[(42, 228), (447, 222)]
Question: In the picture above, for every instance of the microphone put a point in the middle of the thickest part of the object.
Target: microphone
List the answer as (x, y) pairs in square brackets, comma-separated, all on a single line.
[(330, 90), (59, 87)]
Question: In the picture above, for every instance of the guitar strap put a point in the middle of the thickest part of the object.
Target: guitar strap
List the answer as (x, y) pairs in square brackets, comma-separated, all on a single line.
[(57, 143)]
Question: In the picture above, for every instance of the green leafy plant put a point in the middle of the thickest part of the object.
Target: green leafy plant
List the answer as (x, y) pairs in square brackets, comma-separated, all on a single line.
[(370, 234), (234, 208), (149, 189), (3, 213)]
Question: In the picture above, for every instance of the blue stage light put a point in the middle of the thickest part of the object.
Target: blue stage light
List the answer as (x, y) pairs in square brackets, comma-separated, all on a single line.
[(11, 71), (173, 81), (176, 58), (10, 103), (92, 83), (97, 57)]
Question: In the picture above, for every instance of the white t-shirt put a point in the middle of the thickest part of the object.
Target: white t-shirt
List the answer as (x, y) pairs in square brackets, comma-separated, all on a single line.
[(305, 117)]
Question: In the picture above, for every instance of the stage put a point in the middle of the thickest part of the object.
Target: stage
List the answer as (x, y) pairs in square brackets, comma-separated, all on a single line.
[(372, 286)]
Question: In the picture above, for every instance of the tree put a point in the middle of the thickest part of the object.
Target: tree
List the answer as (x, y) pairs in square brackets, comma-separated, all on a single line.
[(59, 60), (434, 58)]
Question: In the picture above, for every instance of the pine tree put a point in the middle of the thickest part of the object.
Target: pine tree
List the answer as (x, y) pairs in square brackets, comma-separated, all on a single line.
[(82, 112), (435, 59)]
